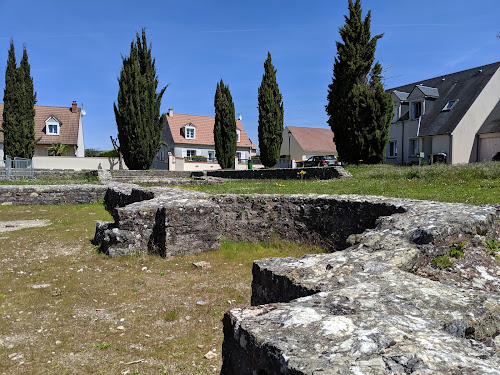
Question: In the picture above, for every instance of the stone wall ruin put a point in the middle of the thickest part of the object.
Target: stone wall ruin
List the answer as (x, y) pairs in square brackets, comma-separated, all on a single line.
[(359, 309)]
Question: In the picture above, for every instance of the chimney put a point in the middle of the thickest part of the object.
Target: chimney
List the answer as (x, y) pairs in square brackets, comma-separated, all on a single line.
[(73, 106), (170, 112)]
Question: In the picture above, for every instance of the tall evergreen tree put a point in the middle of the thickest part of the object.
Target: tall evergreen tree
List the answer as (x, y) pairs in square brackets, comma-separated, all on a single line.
[(224, 127), (270, 116), (19, 107), (358, 108), (27, 114), (137, 112)]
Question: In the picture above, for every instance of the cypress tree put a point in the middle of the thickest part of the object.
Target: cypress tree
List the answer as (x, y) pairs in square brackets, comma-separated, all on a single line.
[(27, 114), (224, 127), (358, 108), (137, 112), (19, 107), (270, 116), (18, 111)]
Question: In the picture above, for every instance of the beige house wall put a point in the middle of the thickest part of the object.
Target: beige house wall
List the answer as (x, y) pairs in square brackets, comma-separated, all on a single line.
[(395, 135), (42, 150), (441, 143), (179, 164), (464, 133), (295, 151), (71, 162), (489, 145)]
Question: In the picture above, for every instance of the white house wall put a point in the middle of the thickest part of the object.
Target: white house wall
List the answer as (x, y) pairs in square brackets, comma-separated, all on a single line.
[(441, 143), (465, 132), (80, 148), (489, 145), (1, 151), (395, 135)]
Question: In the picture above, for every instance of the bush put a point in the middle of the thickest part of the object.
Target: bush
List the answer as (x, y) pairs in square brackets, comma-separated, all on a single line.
[(91, 152), (109, 154)]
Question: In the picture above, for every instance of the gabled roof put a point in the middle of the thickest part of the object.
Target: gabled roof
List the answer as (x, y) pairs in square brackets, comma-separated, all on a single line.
[(402, 96), (431, 92), (313, 139), (204, 130), (464, 86), (68, 120), (492, 123)]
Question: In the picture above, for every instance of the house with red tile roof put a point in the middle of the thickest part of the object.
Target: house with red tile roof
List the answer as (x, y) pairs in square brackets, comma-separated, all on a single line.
[(192, 136), (53, 125), (299, 143)]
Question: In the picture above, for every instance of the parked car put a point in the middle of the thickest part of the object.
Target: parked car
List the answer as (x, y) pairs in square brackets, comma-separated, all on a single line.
[(321, 161), (496, 157)]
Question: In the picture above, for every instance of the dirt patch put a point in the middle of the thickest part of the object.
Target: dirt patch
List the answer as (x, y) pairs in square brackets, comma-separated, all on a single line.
[(7, 226)]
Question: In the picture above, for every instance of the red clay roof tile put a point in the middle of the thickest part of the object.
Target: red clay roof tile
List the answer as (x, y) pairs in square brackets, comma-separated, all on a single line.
[(204, 130), (69, 122)]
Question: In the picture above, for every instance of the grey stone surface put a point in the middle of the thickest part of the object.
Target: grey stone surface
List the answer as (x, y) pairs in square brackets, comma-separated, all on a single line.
[(163, 221), (357, 310), (320, 173), (51, 194)]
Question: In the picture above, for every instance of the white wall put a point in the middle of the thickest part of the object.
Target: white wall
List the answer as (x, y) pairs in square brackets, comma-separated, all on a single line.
[(71, 162), (489, 145), (464, 134)]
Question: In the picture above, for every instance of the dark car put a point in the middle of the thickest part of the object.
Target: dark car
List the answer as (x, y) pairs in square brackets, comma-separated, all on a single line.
[(321, 161), (496, 157)]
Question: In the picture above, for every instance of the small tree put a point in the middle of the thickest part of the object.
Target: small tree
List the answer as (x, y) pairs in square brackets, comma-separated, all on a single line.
[(57, 149), (19, 107), (224, 127), (358, 108), (138, 111), (270, 116)]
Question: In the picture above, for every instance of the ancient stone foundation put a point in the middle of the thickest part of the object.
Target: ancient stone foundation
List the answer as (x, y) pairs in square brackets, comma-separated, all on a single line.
[(356, 310), (51, 194)]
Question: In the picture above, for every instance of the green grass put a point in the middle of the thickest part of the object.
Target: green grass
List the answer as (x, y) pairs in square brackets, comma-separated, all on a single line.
[(444, 261), (63, 302), (477, 183)]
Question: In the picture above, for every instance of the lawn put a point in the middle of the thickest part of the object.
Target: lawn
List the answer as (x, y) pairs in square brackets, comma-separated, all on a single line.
[(66, 309), (477, 183)]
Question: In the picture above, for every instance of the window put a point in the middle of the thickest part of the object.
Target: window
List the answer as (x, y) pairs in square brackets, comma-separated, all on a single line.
[(392, 150), (52, 126), (449, 105), (211, 155), (414, 147), (416, 110), (190, 133), (396, 113), (238, 135), (190, 153)]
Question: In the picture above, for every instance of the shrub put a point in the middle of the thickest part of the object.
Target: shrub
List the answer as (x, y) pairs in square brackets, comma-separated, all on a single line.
[(109, 154)]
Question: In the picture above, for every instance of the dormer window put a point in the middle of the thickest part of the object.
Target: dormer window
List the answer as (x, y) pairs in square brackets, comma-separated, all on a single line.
[(416, 110), (449, 105), (52, 126), (190, 131), (238, 133)]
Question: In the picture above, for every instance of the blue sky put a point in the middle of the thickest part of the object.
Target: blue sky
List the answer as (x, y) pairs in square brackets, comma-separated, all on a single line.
[(75, 50)]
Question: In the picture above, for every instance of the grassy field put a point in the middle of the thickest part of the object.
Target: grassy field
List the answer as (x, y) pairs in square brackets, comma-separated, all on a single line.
[(469, 183), (66, 309)]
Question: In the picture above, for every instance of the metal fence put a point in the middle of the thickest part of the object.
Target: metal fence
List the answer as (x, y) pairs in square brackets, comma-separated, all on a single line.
[(17, 168)]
